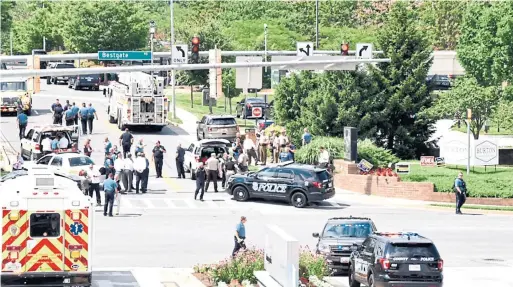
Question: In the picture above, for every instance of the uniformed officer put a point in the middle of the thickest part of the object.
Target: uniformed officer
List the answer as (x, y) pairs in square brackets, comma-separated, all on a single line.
[(180, 158), (69, 116), (75, 110), (240, 236), (111, 188), (200, 181), (91, 115), (212, 171), (460, 187), (82, 114), (22, 124), (158, 158), (126, 140)]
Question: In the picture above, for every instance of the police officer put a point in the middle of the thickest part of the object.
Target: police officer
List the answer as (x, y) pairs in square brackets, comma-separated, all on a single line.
[(200, 181), (67, 106), (158, 158), (180, 154), (229, 168), (22, 120), (212, 171), (126, 140), (82, 114), (460, 187), (91, 115), (111, 188), (75, 110), (70, 117), (240, 236), (57, 113)]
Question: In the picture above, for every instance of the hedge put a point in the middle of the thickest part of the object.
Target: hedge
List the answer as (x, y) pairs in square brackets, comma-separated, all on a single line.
[(378, 156)]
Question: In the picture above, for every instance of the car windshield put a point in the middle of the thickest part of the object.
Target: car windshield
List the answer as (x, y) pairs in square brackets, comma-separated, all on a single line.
[(255, 100), (222, 122), (359, 230), (413, 250), (13, 86), (80, 161), (65, 66), (444, 78)]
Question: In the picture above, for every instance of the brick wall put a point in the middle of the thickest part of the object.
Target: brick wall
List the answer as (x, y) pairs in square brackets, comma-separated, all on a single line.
[(347, 178)]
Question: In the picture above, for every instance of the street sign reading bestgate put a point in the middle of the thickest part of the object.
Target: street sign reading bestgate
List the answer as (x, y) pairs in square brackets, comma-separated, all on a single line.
[(124, 55)]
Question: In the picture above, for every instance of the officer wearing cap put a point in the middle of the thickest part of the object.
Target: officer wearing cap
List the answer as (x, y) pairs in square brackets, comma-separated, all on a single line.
[(158, 158)]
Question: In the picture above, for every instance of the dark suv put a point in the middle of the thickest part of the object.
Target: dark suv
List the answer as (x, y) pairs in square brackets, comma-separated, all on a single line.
[(78, 82), (396, 259), (295, 183), (337, 238)]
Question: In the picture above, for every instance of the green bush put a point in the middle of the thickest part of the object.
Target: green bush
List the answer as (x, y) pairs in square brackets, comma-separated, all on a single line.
[(310, 153), (241, 268), (274, 127), (378, 156)]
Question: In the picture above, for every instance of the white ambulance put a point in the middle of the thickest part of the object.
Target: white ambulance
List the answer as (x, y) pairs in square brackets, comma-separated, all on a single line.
[(47, 230)]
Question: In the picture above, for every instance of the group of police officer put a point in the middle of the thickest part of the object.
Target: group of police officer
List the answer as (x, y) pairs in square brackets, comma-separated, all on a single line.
[(71, 113)]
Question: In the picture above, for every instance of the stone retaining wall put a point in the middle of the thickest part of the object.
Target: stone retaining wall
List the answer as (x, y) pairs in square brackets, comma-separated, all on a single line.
[(347, 177)]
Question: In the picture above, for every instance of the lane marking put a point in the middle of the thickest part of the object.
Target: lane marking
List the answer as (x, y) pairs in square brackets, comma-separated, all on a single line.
[(126, 202), (169, 203), (190, 203), (148, 203), (36, 112)]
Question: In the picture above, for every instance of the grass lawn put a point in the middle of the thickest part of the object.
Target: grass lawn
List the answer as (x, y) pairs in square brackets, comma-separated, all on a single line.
[(480, 182), (176, 121), (478, 207), (491, 131), (183, 101)]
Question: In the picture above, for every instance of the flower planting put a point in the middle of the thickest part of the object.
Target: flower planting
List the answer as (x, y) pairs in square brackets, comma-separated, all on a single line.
[(380, 172)]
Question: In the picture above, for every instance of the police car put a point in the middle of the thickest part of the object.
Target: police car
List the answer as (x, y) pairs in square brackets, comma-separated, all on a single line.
[(67, 162), (295, 183), (31, 147)]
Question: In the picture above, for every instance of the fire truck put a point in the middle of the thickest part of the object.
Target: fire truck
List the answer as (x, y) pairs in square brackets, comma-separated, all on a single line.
[(47, 234), (137, 99)]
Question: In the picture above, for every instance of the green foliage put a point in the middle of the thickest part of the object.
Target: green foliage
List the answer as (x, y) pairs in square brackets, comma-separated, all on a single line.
[(480, 183), (468, 94), (309, 154), (484, 47), (503, 115), (378, 156), (312, 264)]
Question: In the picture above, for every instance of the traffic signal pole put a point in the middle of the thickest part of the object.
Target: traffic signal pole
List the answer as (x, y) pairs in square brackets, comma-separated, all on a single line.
[(173, 99)]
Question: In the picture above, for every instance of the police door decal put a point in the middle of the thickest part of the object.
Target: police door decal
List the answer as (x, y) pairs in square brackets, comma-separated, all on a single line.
[(360, 267), (269, 187)]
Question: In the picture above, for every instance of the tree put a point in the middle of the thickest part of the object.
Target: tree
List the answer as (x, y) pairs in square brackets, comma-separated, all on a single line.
[(503, 115), (105, 25), (403, 94), (484, 47), (229, 89), (468, 94)]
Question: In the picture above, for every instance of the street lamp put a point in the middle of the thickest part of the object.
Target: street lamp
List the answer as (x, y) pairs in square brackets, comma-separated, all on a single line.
[(152, 36)]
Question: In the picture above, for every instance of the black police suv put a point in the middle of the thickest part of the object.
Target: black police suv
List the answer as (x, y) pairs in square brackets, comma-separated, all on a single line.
[(79, 82), (396, 259), (338, 237), (295, 183)]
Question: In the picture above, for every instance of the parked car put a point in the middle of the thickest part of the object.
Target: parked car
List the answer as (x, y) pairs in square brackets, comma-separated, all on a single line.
[(91, 82), (200, 151), (31, 143), (67, 162), (57, 79), (245, 107), (439, 82), (217, 127)]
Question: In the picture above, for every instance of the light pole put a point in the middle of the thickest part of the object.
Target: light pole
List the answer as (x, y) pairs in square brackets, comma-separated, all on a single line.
[(152, 35), (317, 24), (44, 38), (265, 45), (173, 99)]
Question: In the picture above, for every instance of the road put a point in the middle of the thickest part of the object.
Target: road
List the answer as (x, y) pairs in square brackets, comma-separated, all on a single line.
[(167, 228)]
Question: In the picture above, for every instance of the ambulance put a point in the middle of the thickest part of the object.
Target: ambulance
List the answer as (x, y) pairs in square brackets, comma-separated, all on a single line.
[(47, 232)]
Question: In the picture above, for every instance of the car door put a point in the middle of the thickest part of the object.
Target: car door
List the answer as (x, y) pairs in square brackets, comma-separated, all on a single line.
[(188, 157), (284, 180), (360, 265), (367, 255), (26, 143), (262, 182), (56, 163)]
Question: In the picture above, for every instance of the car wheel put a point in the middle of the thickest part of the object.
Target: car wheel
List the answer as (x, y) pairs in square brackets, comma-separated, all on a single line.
[(197, 135), (193, 173), (298, 199), (203, 136), (69, 85), (352, 280), (370, 281), (240, 193), (48, 81)]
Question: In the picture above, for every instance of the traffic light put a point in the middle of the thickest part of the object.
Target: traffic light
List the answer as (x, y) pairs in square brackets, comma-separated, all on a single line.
[(195, 49), (344, 49)]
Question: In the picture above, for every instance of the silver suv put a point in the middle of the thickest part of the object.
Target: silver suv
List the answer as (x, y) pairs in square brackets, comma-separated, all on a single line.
[(217, 127)]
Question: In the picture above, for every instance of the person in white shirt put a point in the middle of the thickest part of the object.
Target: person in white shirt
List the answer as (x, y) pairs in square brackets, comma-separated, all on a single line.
[(141, 165), (128, 173), (250, 150), (284, 139), (47, 145), (63, 141), (94, 176), (119, 164), (324, 157)]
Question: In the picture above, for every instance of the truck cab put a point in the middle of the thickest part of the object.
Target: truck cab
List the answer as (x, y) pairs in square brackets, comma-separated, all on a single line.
[(15, 93)]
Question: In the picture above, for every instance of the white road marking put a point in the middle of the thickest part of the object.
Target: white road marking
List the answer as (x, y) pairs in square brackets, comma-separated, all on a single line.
[(170, 203), (126, 202), (211, 204), (190, 203), (36, 112), (148, 203)]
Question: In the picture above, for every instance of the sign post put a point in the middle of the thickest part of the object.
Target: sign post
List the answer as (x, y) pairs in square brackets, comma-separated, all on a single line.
[(469, 118)]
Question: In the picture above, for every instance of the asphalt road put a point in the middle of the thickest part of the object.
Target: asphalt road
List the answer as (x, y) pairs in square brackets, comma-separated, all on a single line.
[(167, 228)]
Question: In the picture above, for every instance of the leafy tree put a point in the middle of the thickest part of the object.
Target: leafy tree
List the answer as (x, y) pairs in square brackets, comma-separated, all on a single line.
[(229, 89), (503, 115), (484, 47), (6, 8), (403, 94), (468, 94), (105, 25)]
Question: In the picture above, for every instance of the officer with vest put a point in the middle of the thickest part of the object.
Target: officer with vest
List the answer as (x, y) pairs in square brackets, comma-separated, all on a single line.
[(75, 110), (158, 158), (22, 124), (460, 187)]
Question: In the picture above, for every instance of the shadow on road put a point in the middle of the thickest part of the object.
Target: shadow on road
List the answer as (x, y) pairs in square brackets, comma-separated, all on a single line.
[(168, 130), (323, 205)]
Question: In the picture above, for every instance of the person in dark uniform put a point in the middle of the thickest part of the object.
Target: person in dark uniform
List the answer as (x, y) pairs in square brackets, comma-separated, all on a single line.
[(229, 170), (67, 106), (82, 114), (201, 175), (141, 167), (22, 120), (57, 113), (240, 236), (180, 154), (158, 158), (212, 167), (460, 187), (126, 140)]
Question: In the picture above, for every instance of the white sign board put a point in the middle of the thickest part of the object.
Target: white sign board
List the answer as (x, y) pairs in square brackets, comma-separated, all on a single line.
[(281, 259), (304, 49), (364, 51), (319, 67), (482, 152), (253, 80), (180, 54), (215, 75)]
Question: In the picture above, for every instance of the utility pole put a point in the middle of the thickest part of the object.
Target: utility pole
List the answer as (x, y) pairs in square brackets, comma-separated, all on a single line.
[(265, 45), (317, 24), (173, 99), (469, 119), (152, 35)]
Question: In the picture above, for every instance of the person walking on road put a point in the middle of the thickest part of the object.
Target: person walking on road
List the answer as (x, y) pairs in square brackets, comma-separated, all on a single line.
[(94, 177), (91, 115), (109, 165), (212, 166), (67, 106), (107, 145), (126, 140), (57, 112), (142, 167), (158, 158), (180, 158), (128, 173), (111, 188), (460, 188), (201, 174), (119, 165), (263, 143), (240, 236), (22, 120), (82, 114)]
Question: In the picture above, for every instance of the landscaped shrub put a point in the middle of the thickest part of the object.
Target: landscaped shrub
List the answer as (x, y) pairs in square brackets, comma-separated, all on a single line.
[(378, 156), (309, 154), (239, 271)]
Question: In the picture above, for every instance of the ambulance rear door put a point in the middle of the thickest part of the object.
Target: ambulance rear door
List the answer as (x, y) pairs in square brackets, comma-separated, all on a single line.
[(45, 244), (77, 238), (14, 239)]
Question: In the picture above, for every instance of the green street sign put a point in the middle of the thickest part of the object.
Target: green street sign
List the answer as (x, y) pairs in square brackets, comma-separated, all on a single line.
[(124, 55)]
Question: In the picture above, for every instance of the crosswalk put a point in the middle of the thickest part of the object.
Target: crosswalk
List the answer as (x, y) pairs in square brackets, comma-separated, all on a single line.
[(167, 203)]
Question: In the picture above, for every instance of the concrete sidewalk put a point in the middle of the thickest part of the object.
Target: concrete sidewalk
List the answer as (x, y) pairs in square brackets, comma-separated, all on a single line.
[(160, 277)]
